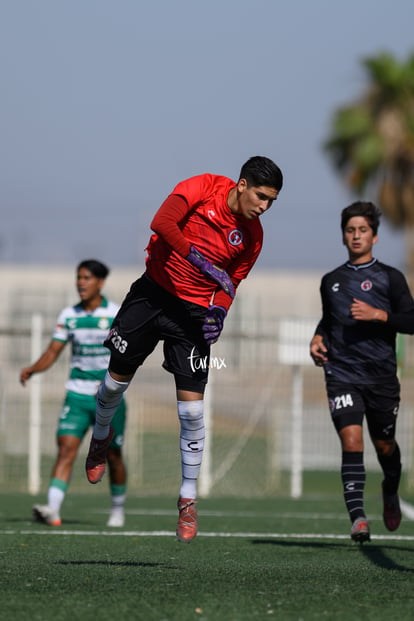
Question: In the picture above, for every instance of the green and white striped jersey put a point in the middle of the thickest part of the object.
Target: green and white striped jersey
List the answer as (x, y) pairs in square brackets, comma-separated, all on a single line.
[(86, 331)]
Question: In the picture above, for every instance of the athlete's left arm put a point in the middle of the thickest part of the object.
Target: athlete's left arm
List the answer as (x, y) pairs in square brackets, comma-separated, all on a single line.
[(401, 317), (238, 270)]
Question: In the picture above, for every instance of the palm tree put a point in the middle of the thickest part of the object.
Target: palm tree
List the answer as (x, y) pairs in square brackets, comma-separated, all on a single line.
[(371, 143)]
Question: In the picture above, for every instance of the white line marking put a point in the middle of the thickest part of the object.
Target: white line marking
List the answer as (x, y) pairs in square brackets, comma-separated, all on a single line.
[(167, 533), (407, 510), (238, 514)]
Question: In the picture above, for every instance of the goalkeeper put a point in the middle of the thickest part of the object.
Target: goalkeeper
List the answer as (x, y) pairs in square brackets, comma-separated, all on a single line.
[(207, 237)]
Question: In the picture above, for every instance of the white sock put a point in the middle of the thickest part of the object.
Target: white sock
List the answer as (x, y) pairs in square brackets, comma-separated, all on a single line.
[(55, 497), (118, 501), (108, 398), (192, 431)]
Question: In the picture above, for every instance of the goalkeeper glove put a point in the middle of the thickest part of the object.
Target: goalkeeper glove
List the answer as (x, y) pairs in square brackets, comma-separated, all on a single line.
[(217, 274), (213, 323)]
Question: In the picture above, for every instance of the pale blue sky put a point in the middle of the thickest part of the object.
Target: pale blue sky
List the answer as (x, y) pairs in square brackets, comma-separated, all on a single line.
[(106, 105)]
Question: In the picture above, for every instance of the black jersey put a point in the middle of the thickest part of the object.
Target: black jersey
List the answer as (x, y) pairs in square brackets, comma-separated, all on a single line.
[(363, 352)]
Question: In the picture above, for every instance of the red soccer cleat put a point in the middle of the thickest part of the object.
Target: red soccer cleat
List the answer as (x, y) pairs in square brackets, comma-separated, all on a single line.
[(96, 459), (187, 525)]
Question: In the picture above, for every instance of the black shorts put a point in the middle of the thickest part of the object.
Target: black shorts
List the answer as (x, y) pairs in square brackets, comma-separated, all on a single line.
[(379, 403), (150, 314)]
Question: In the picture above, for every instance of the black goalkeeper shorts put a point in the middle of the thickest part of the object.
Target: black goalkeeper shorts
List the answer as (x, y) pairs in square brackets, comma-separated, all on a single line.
[(150, 314)]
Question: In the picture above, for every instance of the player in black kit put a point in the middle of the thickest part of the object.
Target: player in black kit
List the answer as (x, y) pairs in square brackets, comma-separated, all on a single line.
[(364, 304)]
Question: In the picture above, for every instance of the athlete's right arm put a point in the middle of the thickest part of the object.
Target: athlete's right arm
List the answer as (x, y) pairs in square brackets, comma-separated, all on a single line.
[(318, 350), (44, 362), (166, 224)]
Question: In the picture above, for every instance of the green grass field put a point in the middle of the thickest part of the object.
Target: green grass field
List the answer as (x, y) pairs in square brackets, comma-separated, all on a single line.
[(253, 559)]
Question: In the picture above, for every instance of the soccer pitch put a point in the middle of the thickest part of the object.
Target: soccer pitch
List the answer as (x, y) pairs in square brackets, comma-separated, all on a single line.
[(273, 558)]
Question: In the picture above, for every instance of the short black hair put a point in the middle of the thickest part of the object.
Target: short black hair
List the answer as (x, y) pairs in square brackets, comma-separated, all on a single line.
[(365, 209), (260, 170), (98, 269)]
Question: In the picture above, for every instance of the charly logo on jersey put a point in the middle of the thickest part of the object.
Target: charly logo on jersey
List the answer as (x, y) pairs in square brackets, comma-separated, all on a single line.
[(335, 287), (366, 285), (235, 237), (211, 214), (103, 323)]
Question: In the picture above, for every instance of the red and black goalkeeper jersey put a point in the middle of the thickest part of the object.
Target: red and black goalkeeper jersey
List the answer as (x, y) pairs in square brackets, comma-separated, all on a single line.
[(363, 352), (204, 220)]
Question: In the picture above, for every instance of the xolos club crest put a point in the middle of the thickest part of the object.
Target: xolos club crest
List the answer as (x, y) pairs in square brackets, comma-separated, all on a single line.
[(235, 237)]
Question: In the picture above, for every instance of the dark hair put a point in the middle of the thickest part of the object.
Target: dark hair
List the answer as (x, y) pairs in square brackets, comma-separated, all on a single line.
[(259, 170), (98, 269), (366, 210)]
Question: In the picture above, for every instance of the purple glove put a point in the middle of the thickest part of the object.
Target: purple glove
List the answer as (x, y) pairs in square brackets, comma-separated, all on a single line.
[(217, 274), (213, 323)]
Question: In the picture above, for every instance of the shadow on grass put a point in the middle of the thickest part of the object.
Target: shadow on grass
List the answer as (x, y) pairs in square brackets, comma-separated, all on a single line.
[(300, 544), (29, 519), (377, 556), (115, 564), (374, 553)]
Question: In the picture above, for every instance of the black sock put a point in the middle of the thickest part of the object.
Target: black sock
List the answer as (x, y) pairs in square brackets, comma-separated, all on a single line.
[(353, 481), (391, 466)]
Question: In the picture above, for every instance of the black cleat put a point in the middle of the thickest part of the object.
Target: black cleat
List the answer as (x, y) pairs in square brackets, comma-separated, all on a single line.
[(392, 511)]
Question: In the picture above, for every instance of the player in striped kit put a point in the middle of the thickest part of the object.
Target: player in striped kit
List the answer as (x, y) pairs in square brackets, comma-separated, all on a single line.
[(207, 237), (85, 325)]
